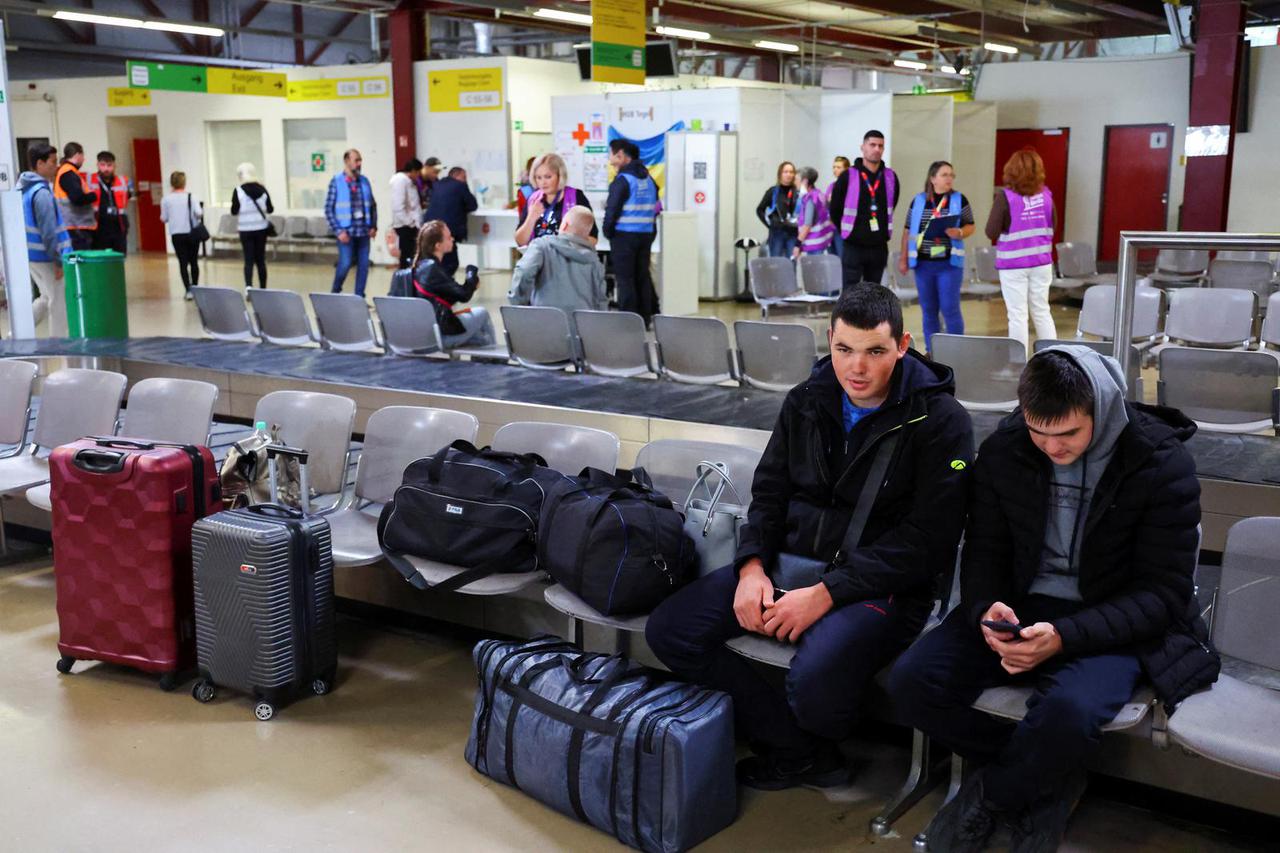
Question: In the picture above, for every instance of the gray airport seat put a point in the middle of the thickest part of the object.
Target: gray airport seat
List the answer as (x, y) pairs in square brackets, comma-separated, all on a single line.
[(613, 343), (763, 649), (1180, 268), (773, 283), (1222, 390), (821, 275), (774, 356), (1210, 317), (903, 285), (1270, 336), (1244, 275), (1245, 255), (278, 221), (693, 349), (539, 337), (17, 378), (985, 258), (986, 369), (73, 403), (228, 232), (318, 227), (1010, 703), (282, 318), (344, 323), (1097, 315), (1233, 722), (295, 230), (158, 409), (565, 448), (671, 464), (1134, 375), (318, 423), (1078, 268), (223, 314), (568, 449), (394, 437), (409, 326)]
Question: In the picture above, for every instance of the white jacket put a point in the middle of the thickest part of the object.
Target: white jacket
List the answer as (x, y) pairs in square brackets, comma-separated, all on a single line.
[(406, 205)]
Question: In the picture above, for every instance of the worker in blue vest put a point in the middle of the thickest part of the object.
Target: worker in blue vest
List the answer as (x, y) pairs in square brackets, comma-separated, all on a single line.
[(937, 256), (630, 223), (353, 218), (47, 239)]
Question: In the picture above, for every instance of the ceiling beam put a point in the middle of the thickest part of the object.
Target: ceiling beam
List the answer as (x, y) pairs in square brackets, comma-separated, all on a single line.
[(299, 44), (247, 16), (179, 40), (336, 30)]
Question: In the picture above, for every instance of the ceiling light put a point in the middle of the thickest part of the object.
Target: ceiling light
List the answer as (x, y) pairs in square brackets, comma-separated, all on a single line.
[(910, 63), (948, 69), (567, 17), (1000, 48), (680, 32), (786, 47), (135, 23), (966, 71)]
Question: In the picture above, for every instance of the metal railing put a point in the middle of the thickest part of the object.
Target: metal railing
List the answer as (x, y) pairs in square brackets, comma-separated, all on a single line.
[(1131, 242)]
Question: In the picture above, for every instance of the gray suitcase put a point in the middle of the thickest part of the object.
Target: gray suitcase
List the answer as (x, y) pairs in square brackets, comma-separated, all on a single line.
[(264, 602)]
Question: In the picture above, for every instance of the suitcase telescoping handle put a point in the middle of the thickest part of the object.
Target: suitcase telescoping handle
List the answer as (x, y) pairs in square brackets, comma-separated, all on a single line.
[(274, 450), (127, 443), (275, 510)]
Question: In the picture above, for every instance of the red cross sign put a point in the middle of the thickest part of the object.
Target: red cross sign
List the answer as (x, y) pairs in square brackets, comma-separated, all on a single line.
[(581, 135)]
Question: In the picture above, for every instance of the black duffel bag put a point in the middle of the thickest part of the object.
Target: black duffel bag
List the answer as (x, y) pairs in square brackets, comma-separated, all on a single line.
[(614, 542), (477, 509)]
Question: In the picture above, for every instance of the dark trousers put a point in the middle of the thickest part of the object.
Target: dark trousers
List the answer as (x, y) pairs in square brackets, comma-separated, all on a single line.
[(864, 263), (81, 239), (408, 237), (630, 256), (835, 661), (188, 252), (934, 684), (254, 244), (107, 239)]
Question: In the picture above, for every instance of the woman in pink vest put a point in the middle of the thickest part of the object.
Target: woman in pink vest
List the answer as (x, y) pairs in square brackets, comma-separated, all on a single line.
[(816, 229), (1021, 227), (550, 201)]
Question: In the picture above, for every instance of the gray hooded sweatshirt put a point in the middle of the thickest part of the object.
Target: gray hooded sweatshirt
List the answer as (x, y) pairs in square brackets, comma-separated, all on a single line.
[(560, 271), (1071, 487)]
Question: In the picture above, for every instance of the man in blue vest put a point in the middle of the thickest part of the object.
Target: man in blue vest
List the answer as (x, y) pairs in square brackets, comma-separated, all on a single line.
[(47, 239), (353, 217), (630, 223)]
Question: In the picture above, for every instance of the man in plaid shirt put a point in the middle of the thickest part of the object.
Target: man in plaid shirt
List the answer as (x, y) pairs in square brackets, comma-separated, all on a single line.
[(353, 218)]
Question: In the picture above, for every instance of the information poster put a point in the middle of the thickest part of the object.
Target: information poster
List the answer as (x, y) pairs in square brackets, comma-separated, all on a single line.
[(458, 89), (617, 41)]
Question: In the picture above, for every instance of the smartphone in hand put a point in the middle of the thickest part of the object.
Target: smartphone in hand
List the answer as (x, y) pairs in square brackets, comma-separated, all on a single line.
[(1004, 627)]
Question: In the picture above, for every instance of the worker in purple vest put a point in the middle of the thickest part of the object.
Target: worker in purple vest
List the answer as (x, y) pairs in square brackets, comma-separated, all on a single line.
[(862, 202), (1021, 227), (839, 166), (937, 258), (552, 199), (816, 230)]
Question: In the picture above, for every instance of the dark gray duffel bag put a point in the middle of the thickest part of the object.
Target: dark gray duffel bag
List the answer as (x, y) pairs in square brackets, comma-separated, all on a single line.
[(648, 760)]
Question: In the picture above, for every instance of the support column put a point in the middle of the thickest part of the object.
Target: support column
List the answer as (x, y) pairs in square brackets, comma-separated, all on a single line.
[(1215, 80), (408, 31)]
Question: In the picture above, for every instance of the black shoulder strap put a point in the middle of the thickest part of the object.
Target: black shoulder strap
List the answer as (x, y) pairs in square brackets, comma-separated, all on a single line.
[(867, 497)]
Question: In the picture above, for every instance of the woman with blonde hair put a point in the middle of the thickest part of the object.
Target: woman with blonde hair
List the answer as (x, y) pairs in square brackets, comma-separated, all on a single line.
[(182, 212), (430, 281), (551, 200), (1021, 227)]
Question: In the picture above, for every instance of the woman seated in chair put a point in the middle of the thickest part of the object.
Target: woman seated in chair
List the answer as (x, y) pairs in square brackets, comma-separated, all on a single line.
[(468, 327)]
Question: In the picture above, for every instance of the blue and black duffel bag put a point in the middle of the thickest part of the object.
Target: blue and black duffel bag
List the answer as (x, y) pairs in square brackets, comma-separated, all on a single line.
[(599, 738)]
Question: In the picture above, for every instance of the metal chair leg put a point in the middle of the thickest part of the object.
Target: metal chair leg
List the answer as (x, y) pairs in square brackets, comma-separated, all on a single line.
[(577, 632), (923, 776), (959, 770)]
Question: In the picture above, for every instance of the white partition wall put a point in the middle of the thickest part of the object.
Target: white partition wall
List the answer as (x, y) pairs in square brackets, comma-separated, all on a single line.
[(921, 133), (973, 153), (846, 116)]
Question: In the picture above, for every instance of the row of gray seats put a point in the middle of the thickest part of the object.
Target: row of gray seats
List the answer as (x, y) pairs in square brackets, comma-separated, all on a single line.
[(306, 233)]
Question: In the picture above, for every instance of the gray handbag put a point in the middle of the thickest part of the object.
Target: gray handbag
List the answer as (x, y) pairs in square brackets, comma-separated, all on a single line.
[(712, 522)]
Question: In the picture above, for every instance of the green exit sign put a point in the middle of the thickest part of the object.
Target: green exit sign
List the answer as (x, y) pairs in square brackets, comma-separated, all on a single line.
[(169, 76), (519, 125)]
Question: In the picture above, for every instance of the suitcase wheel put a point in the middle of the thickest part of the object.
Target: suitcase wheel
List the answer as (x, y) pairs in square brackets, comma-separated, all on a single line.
[(203, 691), (264, 711), (168, 681), (319, 687), (65, 663)]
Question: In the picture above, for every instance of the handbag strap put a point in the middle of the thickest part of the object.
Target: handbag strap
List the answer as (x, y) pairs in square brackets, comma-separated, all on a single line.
[(867, 497), (256, 207)]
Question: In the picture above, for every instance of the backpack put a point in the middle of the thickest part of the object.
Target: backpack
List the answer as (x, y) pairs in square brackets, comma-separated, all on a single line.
[(614, 542), (401, 283), (477, 509)]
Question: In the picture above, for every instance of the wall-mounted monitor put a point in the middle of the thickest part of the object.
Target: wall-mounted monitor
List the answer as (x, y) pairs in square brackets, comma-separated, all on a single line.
[(660, 60)]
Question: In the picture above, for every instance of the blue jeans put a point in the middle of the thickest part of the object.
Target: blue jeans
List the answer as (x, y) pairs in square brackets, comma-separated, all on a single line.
[(835, 661), (781, 242), (837, 245), (938, 283), (934, 684), (354, 250), (479, 330)]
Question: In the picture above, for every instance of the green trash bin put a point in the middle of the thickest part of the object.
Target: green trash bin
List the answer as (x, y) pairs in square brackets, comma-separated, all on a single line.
[(97, 305)]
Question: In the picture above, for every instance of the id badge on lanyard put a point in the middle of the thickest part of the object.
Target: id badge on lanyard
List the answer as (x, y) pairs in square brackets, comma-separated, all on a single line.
[(873, 224), (935, 250)]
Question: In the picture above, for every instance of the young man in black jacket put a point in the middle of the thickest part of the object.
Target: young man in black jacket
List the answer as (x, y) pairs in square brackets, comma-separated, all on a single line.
[(872, 393), (1082, 530)]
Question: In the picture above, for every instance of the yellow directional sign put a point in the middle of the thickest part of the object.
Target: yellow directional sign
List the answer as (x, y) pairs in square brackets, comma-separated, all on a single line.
[(125, 96), (241, 81), (461, 89), (339, 88)]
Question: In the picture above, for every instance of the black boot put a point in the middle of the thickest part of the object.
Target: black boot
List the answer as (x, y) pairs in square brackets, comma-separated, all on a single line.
[(965, 824), (1040, 828), (824, 769)]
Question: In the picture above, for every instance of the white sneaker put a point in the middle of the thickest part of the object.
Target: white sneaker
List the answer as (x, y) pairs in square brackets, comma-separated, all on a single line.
[(187, 296), (39, 309)]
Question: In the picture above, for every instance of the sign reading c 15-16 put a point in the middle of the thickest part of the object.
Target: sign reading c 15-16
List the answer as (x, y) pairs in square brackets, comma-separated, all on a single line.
[(175, 77)]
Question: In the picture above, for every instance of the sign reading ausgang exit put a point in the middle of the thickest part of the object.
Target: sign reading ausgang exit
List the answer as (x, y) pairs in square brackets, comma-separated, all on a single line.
[(175, 77)]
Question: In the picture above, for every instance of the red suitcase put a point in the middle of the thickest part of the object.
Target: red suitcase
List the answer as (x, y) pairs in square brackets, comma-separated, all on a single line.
[(122, 516)]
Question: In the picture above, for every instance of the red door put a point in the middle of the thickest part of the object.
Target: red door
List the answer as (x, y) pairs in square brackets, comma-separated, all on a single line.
[(1135, 183), (149, 183), (1051, 144)]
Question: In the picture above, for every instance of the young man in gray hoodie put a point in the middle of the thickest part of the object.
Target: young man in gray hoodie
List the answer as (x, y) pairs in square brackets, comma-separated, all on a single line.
[(562, 271), (1076, 581)]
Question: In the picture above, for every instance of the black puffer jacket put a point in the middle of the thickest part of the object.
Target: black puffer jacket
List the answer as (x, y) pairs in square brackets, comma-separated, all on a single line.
[(1136, 559), (809, 478)]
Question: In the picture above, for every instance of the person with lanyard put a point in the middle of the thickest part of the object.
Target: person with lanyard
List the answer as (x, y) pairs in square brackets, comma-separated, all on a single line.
[(550, 201), (816, 231), (862, 203), (937, 257), (777, 212), (630, 223), (113, 193), (353, 217), (839, 166), (77, 204)]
